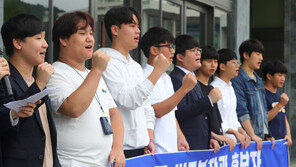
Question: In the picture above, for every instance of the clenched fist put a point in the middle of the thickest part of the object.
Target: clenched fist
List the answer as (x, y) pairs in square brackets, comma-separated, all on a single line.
[(44, 73), (161, 63), (100, 60), (284, 99), (189, 81), (215, 95), (4, 68)]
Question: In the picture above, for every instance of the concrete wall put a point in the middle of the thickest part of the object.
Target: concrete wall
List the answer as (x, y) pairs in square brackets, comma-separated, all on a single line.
[(290, 61), (241, 21)]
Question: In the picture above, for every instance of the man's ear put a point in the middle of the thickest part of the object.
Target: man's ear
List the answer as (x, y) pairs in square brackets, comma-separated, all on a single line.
[(154, 51), (268, 76), (222, 66), (114, 29), (180, 57), (17, 43), (246, 55), (63, 42)]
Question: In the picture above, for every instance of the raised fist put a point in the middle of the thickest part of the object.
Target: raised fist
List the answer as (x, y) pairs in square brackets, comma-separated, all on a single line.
[(284, 99), (215, 95), (189, 81), (44, 73), (161, 63), (100, 60)]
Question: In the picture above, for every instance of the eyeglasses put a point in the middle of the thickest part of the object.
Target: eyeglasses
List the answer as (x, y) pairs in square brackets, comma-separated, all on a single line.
[(196, 50), (170, 46)]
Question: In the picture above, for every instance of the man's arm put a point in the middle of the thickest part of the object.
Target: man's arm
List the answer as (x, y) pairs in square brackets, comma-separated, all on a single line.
[(150, 149), (249, 129), (275, 110), (125, 93), (116, 154), (288, 137), (73, 106), (186, 109), (164, 107)]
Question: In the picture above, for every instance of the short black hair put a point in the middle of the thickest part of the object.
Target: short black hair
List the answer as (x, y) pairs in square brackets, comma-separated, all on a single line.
[(225, 55), (272, 67), (153, 37), (250, 46), (20, 27), (183, 43), (67, 24), (118, 16), (209, 52)]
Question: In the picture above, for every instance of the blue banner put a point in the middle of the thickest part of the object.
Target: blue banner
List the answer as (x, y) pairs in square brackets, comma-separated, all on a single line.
[(266, 157)]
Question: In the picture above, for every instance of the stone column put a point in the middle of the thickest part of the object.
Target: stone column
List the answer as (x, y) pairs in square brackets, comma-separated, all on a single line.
[(241, 22), (290, 61)]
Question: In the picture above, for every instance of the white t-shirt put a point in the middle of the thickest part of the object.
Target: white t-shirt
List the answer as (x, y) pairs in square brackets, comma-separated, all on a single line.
[(80, 141), (130, 90), (227, 106), (165, 128)]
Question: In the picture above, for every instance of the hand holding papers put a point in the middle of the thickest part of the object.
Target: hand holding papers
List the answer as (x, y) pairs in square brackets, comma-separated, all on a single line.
[(15, 105)]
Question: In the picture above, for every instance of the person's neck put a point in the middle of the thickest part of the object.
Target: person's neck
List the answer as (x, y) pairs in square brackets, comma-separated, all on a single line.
[(120, 48), (150, 60), (75, 63), (202, 78), (23, 67), (248, 70), (182, 65), (270, 87), (224, 77)]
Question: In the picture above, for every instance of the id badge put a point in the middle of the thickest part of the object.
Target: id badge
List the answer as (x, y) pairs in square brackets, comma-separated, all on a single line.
[(106, 126)]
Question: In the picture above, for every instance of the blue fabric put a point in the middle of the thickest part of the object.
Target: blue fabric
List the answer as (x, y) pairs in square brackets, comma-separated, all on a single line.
[(191, 113), (266, 157), (251, 102), (24, 144), (277, 125)]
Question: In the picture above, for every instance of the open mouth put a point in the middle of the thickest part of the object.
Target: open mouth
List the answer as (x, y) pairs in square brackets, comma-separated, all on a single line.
[(88, 47), (137, 39), (42, 54)]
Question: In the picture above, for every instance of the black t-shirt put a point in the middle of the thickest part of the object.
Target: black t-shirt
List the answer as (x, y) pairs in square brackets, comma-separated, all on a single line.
[(215, 119)]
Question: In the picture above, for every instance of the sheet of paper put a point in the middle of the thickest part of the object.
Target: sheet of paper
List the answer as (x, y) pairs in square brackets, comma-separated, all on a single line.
[(15, 105)]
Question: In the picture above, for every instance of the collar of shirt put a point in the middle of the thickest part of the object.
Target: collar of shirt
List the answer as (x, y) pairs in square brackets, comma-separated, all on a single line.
[(150, 68), (246, 76), (117, 55), (183, 69), (221, 82)]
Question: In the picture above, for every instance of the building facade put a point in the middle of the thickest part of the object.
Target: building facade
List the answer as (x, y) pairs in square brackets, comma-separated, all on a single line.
[(220, 23)]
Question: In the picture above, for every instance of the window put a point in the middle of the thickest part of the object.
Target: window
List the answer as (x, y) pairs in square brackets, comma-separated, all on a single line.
[(221, 29)]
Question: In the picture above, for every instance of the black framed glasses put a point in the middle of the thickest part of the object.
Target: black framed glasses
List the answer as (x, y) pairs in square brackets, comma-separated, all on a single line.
[(196, 50), (170, 46)]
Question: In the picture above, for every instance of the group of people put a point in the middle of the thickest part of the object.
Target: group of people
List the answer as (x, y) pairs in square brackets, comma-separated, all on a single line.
[(117, 109)]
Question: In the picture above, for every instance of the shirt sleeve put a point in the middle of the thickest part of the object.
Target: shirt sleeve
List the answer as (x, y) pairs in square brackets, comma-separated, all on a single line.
[(13, 121), (126, 95), (150, 114), (224, 125), (242, 101), (63, 89)]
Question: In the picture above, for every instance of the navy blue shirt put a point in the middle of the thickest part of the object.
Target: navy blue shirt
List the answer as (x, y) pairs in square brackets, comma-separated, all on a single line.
[(277, 125)]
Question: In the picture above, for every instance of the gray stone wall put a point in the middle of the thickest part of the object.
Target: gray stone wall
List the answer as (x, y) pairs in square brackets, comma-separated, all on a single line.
[(290, 61), (241, 21)]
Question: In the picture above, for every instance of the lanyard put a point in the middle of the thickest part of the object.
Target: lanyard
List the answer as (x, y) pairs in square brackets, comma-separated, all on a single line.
[(96, 96)]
